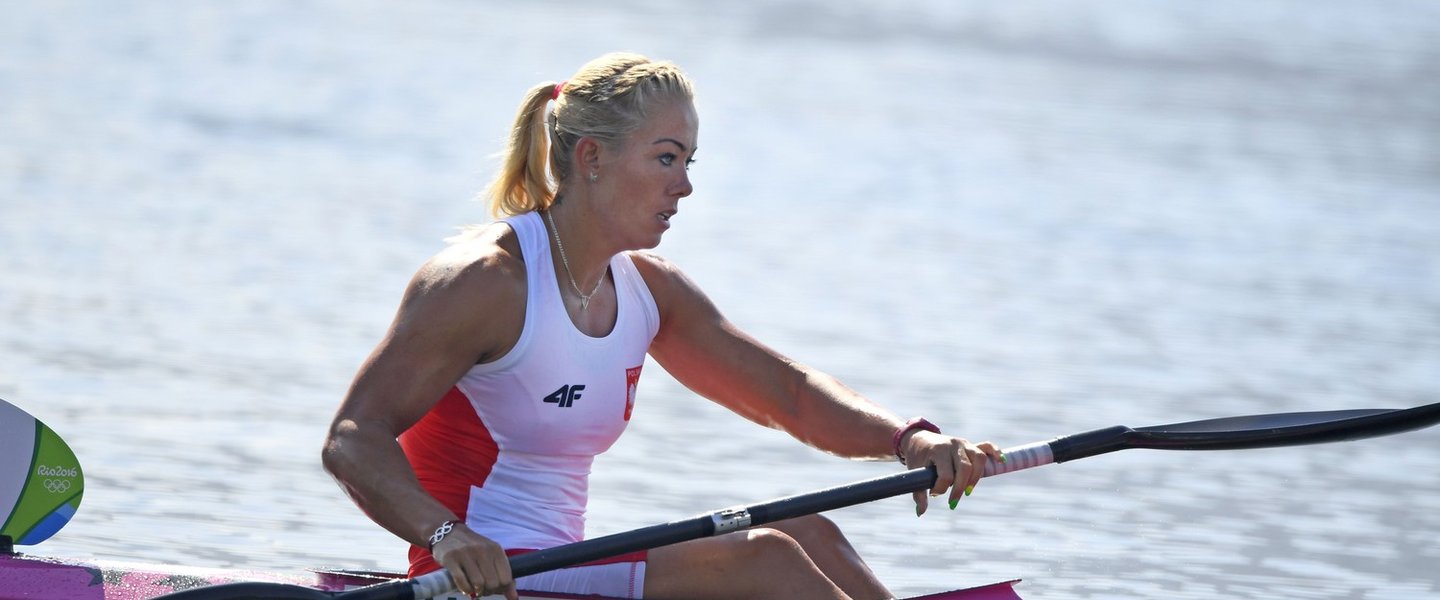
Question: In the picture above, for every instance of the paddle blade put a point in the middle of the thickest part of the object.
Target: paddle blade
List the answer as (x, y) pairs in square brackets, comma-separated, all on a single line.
[(40, 479), (1229, 433), (1284, 429)]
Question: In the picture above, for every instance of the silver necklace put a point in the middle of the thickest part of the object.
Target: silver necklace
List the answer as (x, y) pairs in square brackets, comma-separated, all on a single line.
[(584, 298)]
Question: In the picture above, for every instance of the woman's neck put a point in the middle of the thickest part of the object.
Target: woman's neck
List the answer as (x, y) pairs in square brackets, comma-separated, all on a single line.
[(581, 250)]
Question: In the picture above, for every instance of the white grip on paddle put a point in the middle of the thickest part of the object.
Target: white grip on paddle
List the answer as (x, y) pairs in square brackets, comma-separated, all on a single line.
[(432, 584), (1021, 457)]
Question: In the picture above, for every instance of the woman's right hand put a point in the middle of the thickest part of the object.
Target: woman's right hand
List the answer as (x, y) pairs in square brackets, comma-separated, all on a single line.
[(476, 563)]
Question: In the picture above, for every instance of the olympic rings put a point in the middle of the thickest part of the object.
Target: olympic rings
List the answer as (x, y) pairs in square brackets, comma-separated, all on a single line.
[(57, 486)]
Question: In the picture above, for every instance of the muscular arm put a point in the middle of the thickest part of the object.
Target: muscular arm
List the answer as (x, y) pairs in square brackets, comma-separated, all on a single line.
[(442, 328), (714, 358), (464, 306), (717, 360)]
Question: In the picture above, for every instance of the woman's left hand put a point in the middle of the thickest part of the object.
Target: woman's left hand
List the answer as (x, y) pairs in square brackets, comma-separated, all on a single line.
[(959, 464)]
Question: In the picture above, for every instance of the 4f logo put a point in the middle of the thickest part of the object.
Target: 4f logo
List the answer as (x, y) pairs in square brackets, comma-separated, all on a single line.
[(566, 395)]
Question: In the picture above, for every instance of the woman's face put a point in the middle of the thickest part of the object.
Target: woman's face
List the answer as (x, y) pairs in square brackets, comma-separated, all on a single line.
[(645, 177)]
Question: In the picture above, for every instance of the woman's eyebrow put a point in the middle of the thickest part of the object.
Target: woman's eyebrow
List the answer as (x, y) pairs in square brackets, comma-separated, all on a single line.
[(671, 140)]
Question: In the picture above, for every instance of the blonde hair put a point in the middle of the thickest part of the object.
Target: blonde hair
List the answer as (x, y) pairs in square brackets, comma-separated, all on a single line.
[(607, 99)]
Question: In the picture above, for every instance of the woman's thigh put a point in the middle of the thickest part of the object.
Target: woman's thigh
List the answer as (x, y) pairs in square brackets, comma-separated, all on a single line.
[(756, 563), (614, 580)]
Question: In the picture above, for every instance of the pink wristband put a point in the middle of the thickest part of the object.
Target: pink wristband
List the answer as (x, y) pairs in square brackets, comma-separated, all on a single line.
[(912, 424)]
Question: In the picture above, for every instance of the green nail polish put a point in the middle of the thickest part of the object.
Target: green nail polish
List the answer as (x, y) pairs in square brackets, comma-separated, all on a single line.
[(953, 502), (1002, 457), (917, 510), (968, 490)]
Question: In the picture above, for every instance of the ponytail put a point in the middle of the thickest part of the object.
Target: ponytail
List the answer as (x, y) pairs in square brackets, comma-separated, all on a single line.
[(524, 183)]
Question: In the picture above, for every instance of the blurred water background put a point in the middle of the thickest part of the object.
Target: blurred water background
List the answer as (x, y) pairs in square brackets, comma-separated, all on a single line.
[(1022, 220)]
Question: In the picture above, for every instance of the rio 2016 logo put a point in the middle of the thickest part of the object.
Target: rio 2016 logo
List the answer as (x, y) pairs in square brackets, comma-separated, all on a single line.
[(45, 471), (53, 483)]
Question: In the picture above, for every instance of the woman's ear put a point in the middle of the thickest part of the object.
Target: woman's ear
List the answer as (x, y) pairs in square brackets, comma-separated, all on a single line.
[(587, 155)]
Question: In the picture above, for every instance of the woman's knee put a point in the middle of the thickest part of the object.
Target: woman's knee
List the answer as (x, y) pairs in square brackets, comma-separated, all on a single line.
[(811, 529), (768, 544)]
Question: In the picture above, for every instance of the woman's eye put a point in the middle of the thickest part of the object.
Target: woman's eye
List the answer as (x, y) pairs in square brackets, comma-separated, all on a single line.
[(668, 159)]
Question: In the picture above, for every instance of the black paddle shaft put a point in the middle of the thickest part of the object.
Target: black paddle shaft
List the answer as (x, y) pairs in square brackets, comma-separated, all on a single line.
[(674, 532), (722, 521)]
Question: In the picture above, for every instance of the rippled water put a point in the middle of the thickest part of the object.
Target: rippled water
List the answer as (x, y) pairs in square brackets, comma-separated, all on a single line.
[(1021, 220)]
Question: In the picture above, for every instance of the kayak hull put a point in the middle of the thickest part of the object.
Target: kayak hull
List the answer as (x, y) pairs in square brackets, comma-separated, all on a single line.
[(42, 578), (25, 577)]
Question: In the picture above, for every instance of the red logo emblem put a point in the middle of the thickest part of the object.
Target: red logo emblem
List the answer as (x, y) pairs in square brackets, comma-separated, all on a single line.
[(632, 383)]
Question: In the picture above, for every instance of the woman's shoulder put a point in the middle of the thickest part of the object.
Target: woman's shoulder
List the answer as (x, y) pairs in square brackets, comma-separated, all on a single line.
[(654, 268), (668, 284), (464, 304), (482, 259)]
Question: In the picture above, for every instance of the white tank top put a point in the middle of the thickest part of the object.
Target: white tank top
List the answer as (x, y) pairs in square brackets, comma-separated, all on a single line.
[(510, 447)]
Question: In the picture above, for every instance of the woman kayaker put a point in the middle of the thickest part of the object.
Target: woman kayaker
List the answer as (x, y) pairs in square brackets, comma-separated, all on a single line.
[(516, 352)]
